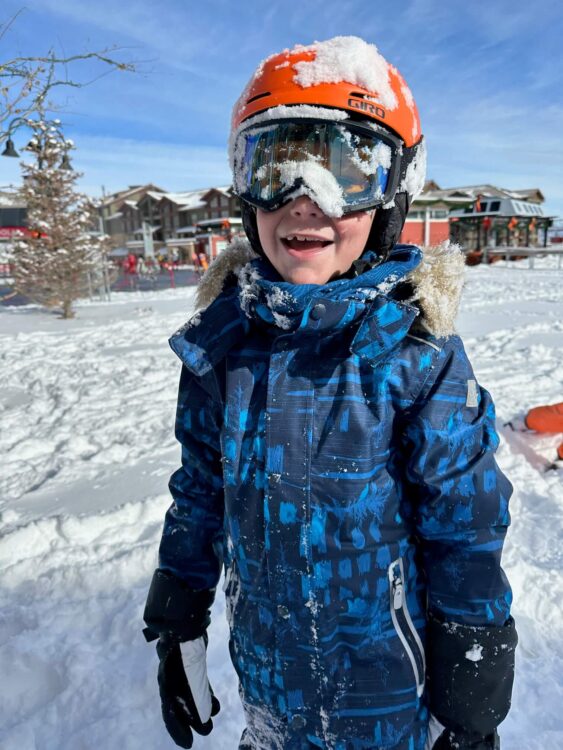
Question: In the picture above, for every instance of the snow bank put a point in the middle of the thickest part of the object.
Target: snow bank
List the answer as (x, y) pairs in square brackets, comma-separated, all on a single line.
[(88, 449)]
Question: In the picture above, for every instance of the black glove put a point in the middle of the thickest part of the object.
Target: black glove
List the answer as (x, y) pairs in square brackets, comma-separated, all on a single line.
[(470, 674), (187, 699), (462, 741)]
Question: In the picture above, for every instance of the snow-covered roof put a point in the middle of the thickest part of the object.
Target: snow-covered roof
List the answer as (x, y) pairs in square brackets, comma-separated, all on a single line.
[(500, 206), (11, 200), (186, 199), (123, 194), (472, 192), (193, 206), (193, 201), (532, 194)]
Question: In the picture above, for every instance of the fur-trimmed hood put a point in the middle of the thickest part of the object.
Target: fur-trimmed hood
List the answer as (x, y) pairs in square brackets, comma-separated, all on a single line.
[(437, 282)]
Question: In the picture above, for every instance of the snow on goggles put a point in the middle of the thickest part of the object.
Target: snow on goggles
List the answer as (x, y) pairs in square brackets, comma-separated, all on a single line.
[(343, 166)]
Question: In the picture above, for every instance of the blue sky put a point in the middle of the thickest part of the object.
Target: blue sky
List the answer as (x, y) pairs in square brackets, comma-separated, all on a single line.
[(487, 77)]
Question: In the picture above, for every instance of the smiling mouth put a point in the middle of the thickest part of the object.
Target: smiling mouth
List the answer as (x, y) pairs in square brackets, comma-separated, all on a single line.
[(304, 242)]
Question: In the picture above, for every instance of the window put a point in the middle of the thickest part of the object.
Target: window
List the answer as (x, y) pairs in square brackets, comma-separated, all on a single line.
[(439, 213), (416, 215), (495, 206), (12, 217)]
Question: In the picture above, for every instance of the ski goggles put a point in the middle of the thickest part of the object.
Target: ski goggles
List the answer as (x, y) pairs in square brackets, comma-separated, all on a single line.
[(343, 165)]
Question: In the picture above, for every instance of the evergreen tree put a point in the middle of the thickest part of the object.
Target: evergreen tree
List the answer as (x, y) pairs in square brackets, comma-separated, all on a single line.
[(52, 264)]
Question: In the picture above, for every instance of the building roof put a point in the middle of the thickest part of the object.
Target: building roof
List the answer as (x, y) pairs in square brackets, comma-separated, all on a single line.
[(468, 194), (186, 200), (11, 199), (128, 193)]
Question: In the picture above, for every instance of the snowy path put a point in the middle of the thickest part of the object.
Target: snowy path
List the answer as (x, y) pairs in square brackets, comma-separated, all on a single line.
[(87, 411)]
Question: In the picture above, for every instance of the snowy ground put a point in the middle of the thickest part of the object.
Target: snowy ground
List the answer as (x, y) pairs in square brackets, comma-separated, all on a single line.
[(87, 411)]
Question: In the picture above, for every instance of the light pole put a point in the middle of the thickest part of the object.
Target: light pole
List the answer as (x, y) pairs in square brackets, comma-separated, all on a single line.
[(10, 149)]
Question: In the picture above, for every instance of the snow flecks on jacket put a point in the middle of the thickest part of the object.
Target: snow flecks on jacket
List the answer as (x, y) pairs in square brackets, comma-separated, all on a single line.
[(437, 281), (335, 448)]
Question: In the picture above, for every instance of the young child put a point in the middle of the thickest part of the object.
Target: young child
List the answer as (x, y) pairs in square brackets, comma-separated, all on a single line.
[(337, 451)]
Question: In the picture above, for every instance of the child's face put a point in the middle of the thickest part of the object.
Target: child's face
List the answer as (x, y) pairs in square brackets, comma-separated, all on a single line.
[(307, 247)]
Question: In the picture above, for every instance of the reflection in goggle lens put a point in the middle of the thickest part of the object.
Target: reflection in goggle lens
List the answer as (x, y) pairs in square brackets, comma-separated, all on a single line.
[(359, 162)]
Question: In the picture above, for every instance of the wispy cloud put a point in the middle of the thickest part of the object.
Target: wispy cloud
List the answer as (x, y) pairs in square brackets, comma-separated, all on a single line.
[(116, 162), (172, 166)]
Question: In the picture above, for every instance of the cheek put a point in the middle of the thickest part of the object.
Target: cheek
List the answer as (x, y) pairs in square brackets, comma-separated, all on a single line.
[(354, 231), (266, 223)]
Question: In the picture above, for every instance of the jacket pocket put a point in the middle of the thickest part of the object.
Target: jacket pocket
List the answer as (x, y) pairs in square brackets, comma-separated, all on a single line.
[(403, 623)]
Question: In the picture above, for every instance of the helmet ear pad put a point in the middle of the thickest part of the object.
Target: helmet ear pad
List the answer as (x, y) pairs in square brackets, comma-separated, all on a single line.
[(250, 226), (387, 226)]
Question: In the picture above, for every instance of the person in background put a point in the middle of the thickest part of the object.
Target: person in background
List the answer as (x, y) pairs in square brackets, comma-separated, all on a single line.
[(203, 264), (130, 268)]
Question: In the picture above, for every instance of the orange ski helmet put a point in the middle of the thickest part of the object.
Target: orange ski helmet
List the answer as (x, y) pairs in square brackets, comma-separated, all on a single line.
[(344, 73), (350, 77)]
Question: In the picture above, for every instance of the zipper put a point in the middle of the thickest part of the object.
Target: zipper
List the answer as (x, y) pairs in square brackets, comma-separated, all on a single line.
[(403, 623)]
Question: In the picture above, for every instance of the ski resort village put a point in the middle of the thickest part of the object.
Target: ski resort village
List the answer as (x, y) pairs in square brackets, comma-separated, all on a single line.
[(281, 376)]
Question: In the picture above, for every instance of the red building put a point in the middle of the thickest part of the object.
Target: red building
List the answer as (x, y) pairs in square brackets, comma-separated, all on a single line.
[(428, 221)]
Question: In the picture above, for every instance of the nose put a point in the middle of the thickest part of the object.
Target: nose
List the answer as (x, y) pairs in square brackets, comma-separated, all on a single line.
[(304, 207)]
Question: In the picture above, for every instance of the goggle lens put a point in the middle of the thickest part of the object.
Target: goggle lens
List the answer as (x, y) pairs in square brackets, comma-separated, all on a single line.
[(274, 155)]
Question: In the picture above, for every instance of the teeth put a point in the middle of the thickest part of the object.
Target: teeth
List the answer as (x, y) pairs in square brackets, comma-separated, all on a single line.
[(303, 238)]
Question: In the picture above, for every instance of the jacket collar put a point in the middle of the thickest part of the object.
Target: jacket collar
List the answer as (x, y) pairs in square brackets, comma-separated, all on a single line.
[(208, 335), (436, 282), (327, 308)]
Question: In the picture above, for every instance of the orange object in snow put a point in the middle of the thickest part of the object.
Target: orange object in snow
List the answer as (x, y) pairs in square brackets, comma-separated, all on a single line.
[(547, 419)]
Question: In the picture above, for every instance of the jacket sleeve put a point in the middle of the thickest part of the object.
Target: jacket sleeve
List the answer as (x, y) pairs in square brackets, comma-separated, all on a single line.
[(460, 511), (191, 548)]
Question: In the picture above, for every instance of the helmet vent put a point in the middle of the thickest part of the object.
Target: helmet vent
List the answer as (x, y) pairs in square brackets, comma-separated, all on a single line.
[(259, 96)]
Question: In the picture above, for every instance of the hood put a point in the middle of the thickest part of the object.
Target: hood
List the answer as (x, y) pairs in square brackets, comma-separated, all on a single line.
[(437, 282)]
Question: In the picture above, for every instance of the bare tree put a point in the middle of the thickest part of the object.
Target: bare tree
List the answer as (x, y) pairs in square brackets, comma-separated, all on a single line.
[(52, 263), (26, 83)]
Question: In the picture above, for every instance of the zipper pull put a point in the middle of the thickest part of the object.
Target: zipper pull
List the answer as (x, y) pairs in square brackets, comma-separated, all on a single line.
[(397, 593)]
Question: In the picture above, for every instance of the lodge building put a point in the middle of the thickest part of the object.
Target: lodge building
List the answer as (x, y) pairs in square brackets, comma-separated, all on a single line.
[(147, 220)]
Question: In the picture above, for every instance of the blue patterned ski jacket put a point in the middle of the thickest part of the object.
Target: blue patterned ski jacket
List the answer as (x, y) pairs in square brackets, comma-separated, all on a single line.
[(337, 459)]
